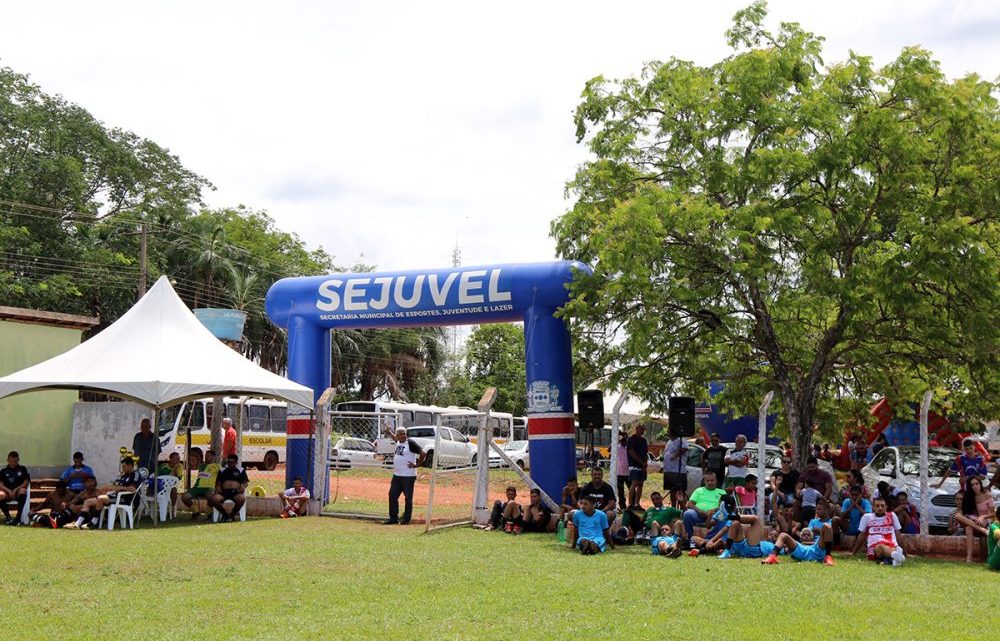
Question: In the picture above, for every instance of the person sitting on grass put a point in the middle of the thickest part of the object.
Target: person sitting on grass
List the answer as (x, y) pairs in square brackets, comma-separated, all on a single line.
[(230, 485), (600, 493), (570, 497), (46, 515), (702, 505), (593, 533), (993, 543), (718, 529), (825, 517), (295, 500), (809, 549), (84, 508), (878, 529), (537, 516), (808, 497), (204, 484), (906, 512), (507, 514), (654, 517), (666, 543), (746, 539), (852, 509), (14, 482), (746, 494), (977, 511)]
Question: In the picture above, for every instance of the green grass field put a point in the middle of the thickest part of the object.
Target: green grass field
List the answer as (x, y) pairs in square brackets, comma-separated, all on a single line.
[(330, 578)]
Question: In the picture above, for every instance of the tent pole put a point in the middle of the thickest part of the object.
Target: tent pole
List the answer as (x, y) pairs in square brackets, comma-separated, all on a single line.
[(156, 462)]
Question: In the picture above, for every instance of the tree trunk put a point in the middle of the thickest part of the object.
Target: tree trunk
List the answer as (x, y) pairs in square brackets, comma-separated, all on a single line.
[(800, 426), (218, 409)]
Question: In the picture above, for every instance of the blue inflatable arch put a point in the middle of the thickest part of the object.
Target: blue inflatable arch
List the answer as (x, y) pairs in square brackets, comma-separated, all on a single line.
[(310, 307)]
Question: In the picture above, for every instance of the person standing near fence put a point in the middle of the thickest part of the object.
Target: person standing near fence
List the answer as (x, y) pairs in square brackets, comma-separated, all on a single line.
[(406, 458)]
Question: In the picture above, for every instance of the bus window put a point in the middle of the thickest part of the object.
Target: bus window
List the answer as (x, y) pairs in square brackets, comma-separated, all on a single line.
[(278, 416), (419, 418), (167, 419), (494, 426), (193, 418), (505, 428), (406, 416), (357, 406), (260, 418), (231, 409)]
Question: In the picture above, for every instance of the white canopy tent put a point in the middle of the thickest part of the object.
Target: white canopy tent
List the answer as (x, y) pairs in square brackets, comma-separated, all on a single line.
[(157, 354)]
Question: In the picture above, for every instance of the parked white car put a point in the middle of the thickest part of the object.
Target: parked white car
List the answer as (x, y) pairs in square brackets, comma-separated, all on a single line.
[(899, 466), (349, 453), (456, 449), (516, 450)]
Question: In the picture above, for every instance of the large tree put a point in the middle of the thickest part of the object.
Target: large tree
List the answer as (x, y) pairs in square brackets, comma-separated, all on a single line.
[(826, 232)]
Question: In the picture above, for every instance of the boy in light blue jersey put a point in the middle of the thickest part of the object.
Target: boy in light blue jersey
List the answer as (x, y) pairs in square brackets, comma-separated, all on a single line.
[(592, 529), (746, 539), (809, 549), (666, 543)]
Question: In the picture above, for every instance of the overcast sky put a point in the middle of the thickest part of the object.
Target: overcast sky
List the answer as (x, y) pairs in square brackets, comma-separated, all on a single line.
[(389, 131)]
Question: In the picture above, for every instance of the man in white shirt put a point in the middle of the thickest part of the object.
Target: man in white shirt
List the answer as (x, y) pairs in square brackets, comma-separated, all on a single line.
[(738, 460), (879, 529), (675, 469), (295, 500), (406, 458)]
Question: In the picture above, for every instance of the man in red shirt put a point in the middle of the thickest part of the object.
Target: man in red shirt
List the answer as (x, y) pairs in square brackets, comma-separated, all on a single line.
[(228, 438)]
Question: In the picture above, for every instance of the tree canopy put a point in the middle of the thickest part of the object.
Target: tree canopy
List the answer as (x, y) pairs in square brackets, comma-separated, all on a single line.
[(74, 194), (828, 232)]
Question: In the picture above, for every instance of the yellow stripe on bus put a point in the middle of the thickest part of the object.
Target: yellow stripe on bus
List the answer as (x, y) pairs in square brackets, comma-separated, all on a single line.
[(248, 440)]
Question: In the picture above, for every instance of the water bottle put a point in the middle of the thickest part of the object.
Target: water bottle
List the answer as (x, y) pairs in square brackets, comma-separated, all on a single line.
[(561, 531)]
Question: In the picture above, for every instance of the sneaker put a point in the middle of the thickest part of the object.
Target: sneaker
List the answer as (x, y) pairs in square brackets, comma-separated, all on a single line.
[(293, 514), (405, 522), (71, 526), (828, 560), (9, 521), (897, 557), (726, 554), (694, 552), (53, 522), (676, 552), (390, 522), (770, 560), (86, 526)]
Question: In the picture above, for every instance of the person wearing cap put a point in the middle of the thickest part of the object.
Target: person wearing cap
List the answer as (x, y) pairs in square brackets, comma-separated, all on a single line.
[(407, 457), (75, 473)]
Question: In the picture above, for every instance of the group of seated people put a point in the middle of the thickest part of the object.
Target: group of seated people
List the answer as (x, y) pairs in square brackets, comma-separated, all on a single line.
[(77, 500), (807, 515)]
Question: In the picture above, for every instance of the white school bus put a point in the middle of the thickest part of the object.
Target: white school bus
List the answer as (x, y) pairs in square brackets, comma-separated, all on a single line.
[(263, 429)]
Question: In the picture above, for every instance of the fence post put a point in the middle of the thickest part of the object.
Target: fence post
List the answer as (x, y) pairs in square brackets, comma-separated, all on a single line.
[(321, 452), (480, 511), (762, 451), (925, 499)]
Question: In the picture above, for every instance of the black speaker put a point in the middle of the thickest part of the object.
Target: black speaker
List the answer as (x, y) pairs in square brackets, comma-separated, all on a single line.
[(681, 417), (590, 408)]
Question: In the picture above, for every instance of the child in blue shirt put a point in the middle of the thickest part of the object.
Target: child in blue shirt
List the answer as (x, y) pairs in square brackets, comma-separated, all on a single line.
[(592, 529)]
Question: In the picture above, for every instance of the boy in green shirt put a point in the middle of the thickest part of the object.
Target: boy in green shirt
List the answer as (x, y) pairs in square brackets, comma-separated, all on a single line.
[(993, 544), (655, 517)]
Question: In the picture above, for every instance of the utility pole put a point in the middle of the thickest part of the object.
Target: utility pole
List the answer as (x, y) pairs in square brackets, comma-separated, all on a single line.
[(142, 261)]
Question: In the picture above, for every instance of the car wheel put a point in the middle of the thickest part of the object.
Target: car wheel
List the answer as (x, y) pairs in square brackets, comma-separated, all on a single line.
[(475, 458), (270, 461), (520, 464), (429, 459)]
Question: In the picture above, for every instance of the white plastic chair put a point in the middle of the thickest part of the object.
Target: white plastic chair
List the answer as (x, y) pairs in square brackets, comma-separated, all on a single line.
[(128, 508), (162, 498), (23, 516), (216, 516)]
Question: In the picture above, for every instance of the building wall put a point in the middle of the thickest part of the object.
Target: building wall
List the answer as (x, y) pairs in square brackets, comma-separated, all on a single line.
[(100, 430), (36, 424)]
